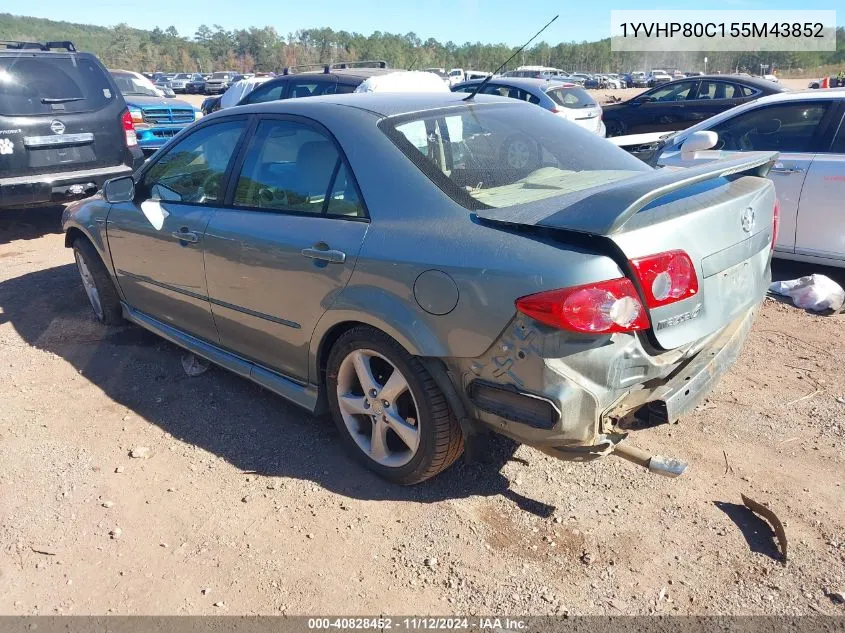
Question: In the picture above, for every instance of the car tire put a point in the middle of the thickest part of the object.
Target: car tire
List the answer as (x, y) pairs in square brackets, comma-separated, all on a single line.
[(430, 439), (519, 152), (98, 284), (614, 127)]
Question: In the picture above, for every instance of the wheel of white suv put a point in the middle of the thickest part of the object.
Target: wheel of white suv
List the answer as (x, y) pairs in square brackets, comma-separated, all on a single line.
[(97, 283), (388, 408)]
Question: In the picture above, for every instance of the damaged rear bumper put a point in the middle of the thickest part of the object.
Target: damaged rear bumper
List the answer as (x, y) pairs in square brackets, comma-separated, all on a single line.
[(574, 399)]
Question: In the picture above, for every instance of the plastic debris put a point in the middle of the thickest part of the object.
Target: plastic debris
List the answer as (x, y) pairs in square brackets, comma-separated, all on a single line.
[(194, 365), (813, 292), (771, 517)]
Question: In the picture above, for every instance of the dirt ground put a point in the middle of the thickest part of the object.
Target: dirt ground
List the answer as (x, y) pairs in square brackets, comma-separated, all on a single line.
[(246, 505)]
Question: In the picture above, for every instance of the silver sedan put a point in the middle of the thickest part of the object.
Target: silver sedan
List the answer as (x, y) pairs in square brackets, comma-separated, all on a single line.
[(808, 130)]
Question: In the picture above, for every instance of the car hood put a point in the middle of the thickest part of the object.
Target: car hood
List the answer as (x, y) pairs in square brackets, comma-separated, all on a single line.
[(609, 108), (145, 102)]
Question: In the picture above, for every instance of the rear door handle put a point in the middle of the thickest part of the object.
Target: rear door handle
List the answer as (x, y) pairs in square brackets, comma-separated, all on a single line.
[(184, 235), (331, 256), (787, 170)]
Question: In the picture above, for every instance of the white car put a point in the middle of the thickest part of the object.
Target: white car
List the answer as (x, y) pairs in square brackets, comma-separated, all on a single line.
[(808, 130), (657, 77), (612, 82), (456, 75)]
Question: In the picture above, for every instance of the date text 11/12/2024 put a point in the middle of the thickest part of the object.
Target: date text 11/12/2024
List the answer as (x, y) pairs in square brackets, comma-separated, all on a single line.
[(417, 623)]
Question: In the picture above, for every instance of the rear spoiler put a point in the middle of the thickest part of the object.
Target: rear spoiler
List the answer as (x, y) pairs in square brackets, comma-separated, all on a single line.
[(603, 210)]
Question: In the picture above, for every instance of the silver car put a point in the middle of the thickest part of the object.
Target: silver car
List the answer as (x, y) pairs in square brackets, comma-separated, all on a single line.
[(564, 99), (808, 130), (374, 256)]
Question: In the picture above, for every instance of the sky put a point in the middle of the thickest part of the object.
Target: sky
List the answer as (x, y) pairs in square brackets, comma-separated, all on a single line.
[(488, 21)]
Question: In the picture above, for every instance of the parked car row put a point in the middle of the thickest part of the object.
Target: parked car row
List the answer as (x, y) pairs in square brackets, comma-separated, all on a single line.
[(196, 83)]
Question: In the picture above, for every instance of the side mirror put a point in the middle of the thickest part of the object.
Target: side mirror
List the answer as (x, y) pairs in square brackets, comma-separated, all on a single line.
[(119, 190), (643, 99), (696, 142)]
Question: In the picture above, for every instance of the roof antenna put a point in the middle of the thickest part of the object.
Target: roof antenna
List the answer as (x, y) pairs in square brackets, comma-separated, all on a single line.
[(519, 50)]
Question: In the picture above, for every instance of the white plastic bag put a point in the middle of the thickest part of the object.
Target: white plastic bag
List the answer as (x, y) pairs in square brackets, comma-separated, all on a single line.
[(813, 292)]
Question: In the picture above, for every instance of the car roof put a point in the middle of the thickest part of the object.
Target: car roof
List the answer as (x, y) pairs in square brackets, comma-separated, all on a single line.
[(344, 73), (756, 82), (517, 82), (379, 103)]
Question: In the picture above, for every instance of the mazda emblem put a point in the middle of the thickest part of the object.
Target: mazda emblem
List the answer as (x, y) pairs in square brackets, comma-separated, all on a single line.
[(747, 220)]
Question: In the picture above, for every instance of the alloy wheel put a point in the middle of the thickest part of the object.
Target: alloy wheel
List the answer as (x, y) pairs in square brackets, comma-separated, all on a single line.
[(89, 285), (378, 408)]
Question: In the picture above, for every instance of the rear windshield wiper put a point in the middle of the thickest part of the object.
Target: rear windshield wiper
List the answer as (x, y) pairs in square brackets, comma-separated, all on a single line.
[(61, 99)]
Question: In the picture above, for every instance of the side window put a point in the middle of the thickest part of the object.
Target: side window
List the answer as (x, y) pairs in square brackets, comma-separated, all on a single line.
[(269, 92), (747, 91), (192, 171), (309, 88), (293, 167), (786, 128), (344, 89), (838, 146), (499, 91), (722, 90), (675, 92)]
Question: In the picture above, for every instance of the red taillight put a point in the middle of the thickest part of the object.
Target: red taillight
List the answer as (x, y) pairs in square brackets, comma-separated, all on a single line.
[(599, 308), (775, 222), (555, 110), (129, 129), (666, 277)]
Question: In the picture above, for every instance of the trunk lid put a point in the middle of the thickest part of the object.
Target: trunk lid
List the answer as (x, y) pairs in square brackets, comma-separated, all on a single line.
[(575, 104), (720, 214)]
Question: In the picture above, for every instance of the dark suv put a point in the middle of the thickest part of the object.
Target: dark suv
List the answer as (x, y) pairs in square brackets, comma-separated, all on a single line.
[(337, 78), (64, 126)]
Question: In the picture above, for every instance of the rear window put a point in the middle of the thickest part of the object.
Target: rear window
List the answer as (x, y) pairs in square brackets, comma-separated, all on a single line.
[(571, 97), (486, 156), (47, 84)]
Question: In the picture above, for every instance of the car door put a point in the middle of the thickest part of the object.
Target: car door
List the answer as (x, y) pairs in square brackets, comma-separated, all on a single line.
[(663, 109), (285, 245), (156, 240), (821, 213), (789, 128)]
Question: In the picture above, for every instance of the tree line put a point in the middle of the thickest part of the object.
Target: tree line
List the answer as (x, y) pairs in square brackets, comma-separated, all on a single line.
[(214, 47)]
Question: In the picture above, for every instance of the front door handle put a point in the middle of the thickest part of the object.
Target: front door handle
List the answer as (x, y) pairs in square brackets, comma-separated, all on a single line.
[(184, 235), (331, 256)]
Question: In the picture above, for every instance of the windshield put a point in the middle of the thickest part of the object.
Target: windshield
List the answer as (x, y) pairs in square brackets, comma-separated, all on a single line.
[(182, 76), (502, 155), (219, 75), (571, 97), (131, 85), (43, 85)]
